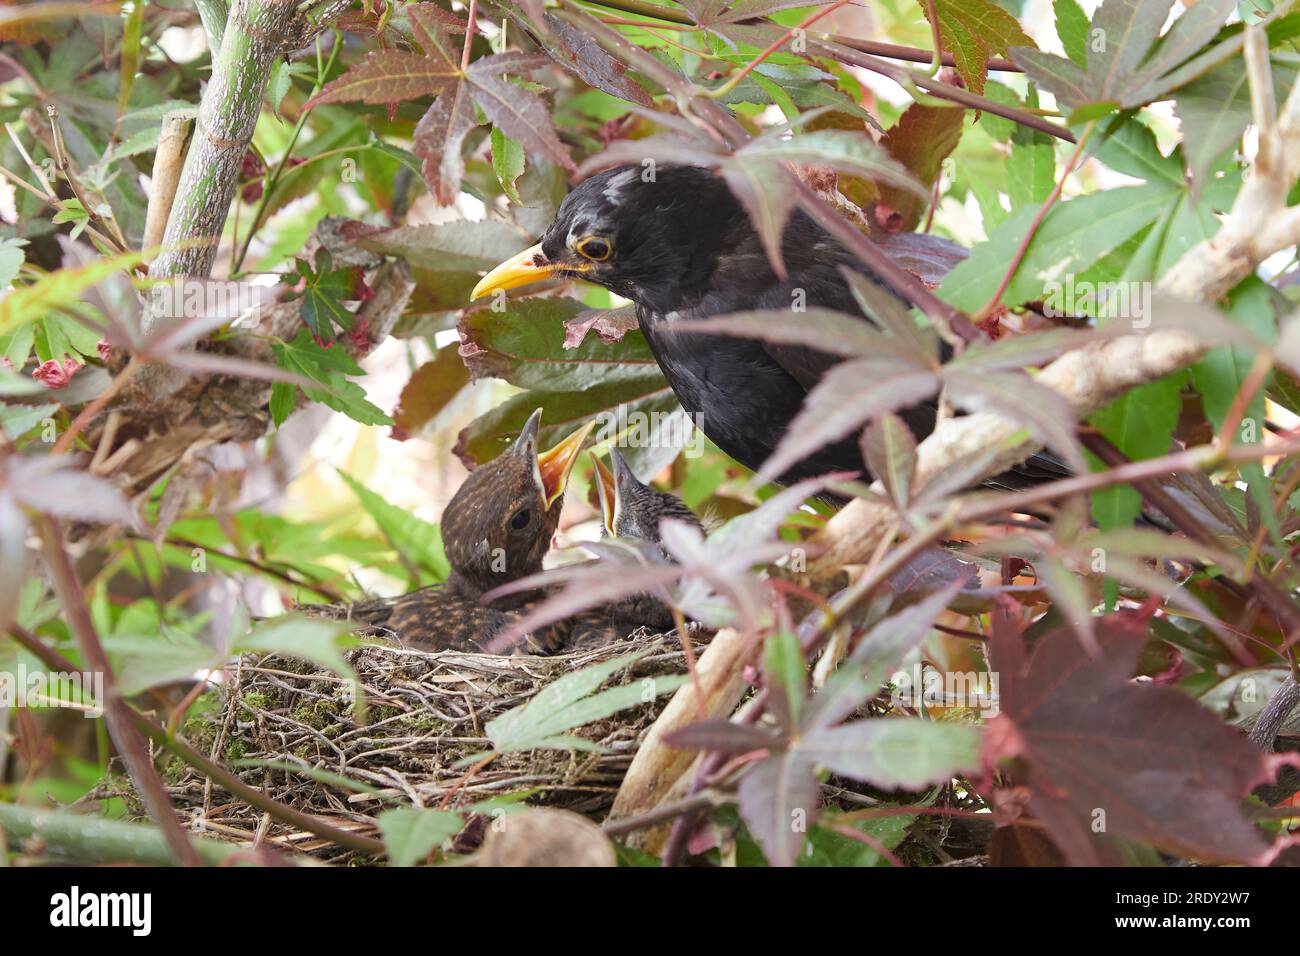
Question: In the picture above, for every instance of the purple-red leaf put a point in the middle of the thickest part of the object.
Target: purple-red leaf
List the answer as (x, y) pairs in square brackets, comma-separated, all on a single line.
[(778, 800), (438, 139), (1107, 758)]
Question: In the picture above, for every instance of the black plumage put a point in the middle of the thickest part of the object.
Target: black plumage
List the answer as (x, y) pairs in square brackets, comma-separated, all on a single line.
[(682, 248)]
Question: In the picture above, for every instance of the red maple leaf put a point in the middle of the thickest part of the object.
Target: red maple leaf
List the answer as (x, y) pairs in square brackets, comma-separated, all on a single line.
[(1104, 757)]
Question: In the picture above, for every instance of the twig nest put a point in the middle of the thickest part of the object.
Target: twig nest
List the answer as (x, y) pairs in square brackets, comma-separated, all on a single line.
[(293, 730)]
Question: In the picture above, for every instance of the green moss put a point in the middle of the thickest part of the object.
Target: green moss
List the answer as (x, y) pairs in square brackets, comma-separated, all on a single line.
[(423, 723), (200, 730), (237, 749), (318, 714)]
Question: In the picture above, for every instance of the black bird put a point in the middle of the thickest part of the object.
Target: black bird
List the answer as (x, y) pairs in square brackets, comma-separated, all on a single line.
[(496, 528), (682, 248)]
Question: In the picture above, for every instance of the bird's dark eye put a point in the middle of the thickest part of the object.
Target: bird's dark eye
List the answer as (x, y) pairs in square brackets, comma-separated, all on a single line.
[(594, 248), (519, 520)]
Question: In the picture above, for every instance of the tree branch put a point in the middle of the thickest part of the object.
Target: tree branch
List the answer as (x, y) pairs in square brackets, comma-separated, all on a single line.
[(255, 34), (116, 712)]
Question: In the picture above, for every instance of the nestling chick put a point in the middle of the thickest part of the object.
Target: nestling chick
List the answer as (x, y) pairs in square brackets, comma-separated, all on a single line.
[(635, 511), (497, 528)]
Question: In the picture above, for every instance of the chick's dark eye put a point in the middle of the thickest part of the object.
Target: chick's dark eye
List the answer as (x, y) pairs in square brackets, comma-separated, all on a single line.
[(594, 248), (519, 520)]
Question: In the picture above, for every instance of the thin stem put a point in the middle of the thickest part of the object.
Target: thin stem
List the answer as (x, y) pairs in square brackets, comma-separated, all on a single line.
[(87, 414), (471, 25), (772, 47), (1028, 238), (846, 53), (323, 590), (1192, 459), (660, 814), (855, 834), (1252, 383), (65, 167), (894, 51), (469, 775), (116, 711), (932, 15)]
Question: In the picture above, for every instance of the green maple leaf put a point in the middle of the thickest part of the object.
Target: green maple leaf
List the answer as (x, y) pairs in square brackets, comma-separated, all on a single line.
[(974, 30), (331, 368), (324, 290)]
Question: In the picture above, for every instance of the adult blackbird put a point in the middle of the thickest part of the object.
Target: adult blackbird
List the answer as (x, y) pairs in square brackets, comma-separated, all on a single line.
[(496, 528), (682, 248)]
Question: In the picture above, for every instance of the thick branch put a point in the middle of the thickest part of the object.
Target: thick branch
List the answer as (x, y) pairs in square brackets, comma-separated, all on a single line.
[(254, 35), (214, 14), (1275, 713), (90, 839)]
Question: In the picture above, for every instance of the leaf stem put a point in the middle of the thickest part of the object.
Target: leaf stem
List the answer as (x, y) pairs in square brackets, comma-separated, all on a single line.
[(987, 309), (771, 48), (848, 53), (471, 24), (932, 15), (894, 51)]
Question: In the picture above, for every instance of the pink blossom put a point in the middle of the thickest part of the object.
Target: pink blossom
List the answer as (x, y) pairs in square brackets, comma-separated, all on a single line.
[(105, 350), (52, 374)]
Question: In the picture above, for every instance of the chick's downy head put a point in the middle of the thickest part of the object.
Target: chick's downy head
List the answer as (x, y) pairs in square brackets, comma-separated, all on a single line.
[(499, 524)]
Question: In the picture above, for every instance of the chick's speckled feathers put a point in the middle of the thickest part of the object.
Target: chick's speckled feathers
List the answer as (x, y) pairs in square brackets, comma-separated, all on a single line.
[(496, 528)]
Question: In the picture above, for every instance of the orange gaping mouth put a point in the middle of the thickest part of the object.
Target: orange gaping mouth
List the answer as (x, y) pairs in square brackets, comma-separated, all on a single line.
[(554, 466), (607, 492)]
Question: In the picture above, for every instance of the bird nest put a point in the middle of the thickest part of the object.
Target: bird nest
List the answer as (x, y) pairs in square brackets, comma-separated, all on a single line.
[(292, 730)]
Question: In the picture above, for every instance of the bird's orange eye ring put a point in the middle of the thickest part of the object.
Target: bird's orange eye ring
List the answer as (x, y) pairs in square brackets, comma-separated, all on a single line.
[(595, 248)]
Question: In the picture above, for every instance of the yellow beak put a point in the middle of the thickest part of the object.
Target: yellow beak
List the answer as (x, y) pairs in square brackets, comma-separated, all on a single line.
[(607, 492), (531, 265), (554, 466)]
